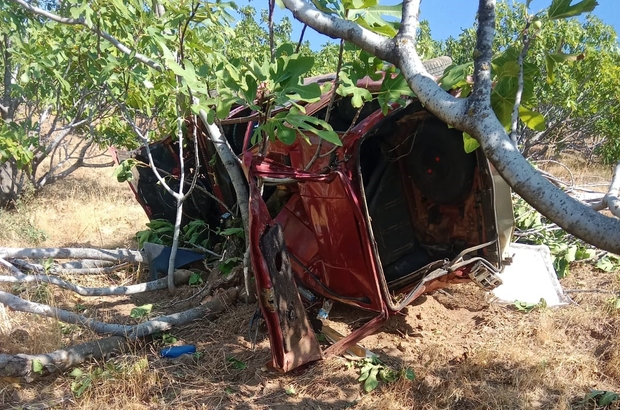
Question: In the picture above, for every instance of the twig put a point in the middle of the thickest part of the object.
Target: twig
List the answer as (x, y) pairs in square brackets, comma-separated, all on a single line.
[(591, 291), (520, 83), (330, 106)]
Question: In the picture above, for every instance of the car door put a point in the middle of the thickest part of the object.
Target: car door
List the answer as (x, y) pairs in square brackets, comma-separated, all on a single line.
[(293, 341)]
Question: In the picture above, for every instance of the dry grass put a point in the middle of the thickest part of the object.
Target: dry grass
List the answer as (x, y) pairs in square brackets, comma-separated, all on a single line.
[(88, 209), (466, 353)]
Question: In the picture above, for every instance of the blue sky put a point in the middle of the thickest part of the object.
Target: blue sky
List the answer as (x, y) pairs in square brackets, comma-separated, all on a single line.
[(446, 17)]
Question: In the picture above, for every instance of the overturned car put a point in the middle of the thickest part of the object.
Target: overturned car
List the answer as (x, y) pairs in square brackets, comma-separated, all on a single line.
[(398, 210)]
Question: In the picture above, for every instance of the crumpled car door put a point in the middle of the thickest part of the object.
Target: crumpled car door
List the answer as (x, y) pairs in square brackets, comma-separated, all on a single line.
[(293, 341)]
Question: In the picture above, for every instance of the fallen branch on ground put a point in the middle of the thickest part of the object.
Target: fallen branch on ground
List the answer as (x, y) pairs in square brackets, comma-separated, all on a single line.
[(84, 291), (143, 329), (114, 255), (611, 200), (21, 365), (181, 277), (81, 264), (84, 267)]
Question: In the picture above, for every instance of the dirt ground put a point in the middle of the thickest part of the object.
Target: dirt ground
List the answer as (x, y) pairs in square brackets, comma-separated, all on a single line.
[(466, 352)]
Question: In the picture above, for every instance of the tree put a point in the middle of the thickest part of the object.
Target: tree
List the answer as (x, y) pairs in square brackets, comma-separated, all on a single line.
[(50, 116), (577, 65), (474, 114)]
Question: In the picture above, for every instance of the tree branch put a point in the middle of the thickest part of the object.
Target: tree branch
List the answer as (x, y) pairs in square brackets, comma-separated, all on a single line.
[(95, 29), (337, 28), (84, 291), (409, 26), (611, 200), (159, 324), (520, 83), (480, 98), (22, 365), (113, 255)]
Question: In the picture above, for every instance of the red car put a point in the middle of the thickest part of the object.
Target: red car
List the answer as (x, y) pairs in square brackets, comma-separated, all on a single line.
[(398, 210)]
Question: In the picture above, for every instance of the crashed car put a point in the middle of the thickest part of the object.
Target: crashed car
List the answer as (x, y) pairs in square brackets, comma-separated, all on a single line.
[(399, 210)]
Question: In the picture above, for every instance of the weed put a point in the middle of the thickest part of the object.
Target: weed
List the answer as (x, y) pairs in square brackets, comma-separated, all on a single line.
[(614, 303), (532, 227), (601, 398), (43, 294), (236, 363), (195, 279), (141, 312), (372, 370), (109, 371), (528, 307)]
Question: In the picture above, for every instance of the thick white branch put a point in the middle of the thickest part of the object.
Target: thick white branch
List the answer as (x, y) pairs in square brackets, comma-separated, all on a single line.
[(158, 324), (400, 51), (409, 25), (611, 200), (568, 213), (475, 116), (84, 291), (339, 28), (114, 255)]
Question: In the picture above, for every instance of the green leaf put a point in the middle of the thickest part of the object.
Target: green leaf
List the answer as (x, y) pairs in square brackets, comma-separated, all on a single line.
[(606, 264), (608, 398), (300, 92), (76, 373), (232, 231), (364, 373), (393, 90), (524, 306), (561, 265), (571, 253), (236, 364), (290, 390), (551, 59), (532, 119), (141, 311), (503, 99), (409, 374), (194, 279), (371, 382), (372, 18), (37, 366), (285, 134), (585, 253), (168, 339), (307, 123), (79, 387), (123, 170), (561, 9), (470, 144), (455, 76)]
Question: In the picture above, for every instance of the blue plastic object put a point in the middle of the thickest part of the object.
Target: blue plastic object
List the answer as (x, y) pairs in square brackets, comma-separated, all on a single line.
[(176, 351)]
